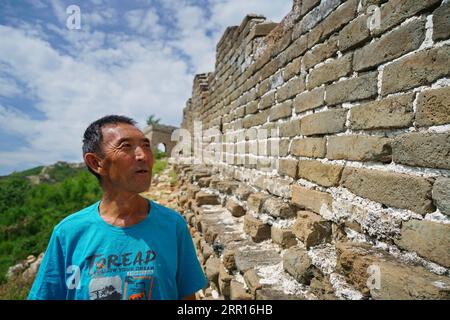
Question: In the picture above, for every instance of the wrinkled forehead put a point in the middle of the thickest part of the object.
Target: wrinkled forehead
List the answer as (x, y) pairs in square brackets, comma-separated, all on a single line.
[(114, 132)]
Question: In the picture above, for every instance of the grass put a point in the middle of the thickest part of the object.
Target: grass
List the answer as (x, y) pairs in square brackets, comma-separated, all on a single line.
[(159, 166), (16, 288), (173, 178)]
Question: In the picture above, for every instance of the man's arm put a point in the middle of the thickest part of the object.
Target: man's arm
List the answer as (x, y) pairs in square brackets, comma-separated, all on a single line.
[(50, 280), (190, 277), (191, 297)]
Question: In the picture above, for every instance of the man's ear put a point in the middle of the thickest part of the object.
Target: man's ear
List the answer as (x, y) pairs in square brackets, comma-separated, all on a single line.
[(94, 162)]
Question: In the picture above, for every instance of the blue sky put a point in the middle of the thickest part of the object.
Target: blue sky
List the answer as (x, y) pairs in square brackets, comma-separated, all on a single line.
[(130, 57)]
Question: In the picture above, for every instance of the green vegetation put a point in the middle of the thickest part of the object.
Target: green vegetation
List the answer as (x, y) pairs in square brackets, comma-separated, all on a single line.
[(159, 166), (16, 288), (30, 212), (152, 120), (173, 177)]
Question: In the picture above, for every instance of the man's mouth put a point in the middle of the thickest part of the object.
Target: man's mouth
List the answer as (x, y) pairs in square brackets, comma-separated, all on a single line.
[(142, 171)]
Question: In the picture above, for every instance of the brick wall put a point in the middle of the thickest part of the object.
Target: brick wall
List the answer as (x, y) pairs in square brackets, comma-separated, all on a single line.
[(360, 162)]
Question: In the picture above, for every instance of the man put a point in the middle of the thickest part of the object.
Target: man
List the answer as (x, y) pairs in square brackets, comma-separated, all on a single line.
[(124, 246)]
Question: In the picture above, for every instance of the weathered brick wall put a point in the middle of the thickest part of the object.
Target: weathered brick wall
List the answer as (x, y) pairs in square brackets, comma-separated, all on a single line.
[(360, 166)]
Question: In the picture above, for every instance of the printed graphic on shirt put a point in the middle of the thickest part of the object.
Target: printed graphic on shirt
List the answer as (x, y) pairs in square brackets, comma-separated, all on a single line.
[(105, 288), (138, 287), (127, 276)]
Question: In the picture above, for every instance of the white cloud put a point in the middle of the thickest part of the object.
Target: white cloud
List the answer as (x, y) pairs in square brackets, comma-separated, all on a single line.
[(144, 21), (74, 92), (9, 88)]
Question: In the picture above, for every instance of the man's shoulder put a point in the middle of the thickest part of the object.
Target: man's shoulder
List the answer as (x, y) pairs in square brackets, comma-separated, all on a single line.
[(78, 218), (167, 212)]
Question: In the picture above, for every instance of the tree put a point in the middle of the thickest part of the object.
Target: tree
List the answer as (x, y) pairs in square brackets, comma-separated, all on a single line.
[(151, 120)]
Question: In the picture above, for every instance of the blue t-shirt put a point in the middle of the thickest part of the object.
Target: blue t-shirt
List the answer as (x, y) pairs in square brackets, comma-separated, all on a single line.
[(89, 259)]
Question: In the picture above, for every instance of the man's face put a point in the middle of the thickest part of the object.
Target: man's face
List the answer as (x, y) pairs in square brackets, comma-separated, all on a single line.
[(128, 159)]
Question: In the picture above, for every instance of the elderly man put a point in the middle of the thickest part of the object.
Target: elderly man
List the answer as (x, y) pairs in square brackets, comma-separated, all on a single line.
[(124, 246)]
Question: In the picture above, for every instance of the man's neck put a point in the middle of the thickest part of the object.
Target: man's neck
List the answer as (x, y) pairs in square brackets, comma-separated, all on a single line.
[(123, 209)]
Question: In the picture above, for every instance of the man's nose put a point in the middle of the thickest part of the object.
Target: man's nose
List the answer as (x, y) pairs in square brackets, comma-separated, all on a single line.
[(140, 153)]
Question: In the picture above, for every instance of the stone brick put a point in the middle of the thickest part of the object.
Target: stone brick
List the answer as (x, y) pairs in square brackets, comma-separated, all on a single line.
[(359, 148), (283, 148), (276, 294), (362, 87), (392, 189), (277, 208), (238, 292), (255, 228), (284, 237), (297, 263), (422, 150), (236, 209), (212, 267), (282, 110), (319, 13), (256, 200), (290, 89), (419, 69), (252, 279), (320, 53), (227, 187), (263, 88), (330, 71), (326, 175), (290, 128), (361, 264), (297, 48), (388, 47), (331, 121), (312, 229), (192, 190), (354, 34), (309, 100), (308, 147), (334, 22), (288, 167), (243, 192), (431, 240), (310, 199), (279, 186), (228, 259), (249, 259), (441, 22), (262, 29), (396, 11), (252, 107), (204, 182), (203, 198), (292, 69), (441, 195), (307, 5), (267, 101), (433, 107), (255, 119), (393, 112), (224, 282)]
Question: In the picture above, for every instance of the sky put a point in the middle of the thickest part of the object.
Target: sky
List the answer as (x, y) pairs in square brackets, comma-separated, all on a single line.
[(59, 73)]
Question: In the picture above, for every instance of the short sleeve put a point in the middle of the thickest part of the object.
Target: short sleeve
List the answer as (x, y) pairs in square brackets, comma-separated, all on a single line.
[(50, 279), (190, 275)]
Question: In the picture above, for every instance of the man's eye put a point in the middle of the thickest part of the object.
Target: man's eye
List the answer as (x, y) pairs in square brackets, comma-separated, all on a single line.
[(126, 145)]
